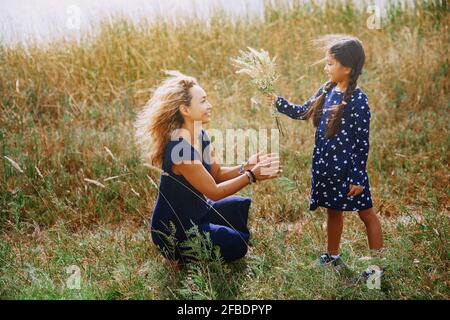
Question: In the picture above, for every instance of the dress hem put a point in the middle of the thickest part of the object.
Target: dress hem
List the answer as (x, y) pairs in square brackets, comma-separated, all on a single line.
[(329, 207)]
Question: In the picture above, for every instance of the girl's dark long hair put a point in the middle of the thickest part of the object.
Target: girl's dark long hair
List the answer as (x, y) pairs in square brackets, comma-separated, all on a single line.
[(349, 52)]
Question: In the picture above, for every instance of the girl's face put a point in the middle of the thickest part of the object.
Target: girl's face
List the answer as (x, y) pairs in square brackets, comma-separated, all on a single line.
[(335, 71), (200, 108)]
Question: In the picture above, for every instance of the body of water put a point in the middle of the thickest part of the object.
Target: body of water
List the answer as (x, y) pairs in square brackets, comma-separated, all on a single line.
[(44, 20)]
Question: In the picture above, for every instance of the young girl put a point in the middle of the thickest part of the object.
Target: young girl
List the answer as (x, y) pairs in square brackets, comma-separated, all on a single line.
[(341, 113)]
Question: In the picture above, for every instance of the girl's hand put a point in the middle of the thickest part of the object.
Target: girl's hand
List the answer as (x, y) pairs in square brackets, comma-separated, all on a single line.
[(268, 168), (355, 190), (271, 98)]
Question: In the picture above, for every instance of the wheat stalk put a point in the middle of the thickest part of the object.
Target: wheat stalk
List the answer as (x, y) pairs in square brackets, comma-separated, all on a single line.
[(99, 184), (14, 164), (261, 68)]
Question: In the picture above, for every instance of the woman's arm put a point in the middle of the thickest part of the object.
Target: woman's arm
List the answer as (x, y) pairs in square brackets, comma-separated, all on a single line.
[(201, 180), (196, 174), (222, 174)]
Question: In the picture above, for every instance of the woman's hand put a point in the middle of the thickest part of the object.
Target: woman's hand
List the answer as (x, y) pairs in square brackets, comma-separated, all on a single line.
[(252, 161), (271, 98), (256, 158), (355, 190), (268, 168)]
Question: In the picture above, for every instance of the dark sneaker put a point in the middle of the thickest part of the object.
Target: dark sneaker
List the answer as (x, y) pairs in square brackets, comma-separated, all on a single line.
[(341, 269), (326, 259)]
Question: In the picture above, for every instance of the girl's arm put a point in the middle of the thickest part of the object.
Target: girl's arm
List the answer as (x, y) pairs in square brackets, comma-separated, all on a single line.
[(294, 111), (361, 122)]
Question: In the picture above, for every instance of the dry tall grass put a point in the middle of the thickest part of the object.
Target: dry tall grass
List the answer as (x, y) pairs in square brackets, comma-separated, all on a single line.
[(66, 120)]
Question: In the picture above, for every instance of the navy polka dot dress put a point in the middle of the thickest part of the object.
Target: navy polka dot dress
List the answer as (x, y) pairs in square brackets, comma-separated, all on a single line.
[(340, 160)]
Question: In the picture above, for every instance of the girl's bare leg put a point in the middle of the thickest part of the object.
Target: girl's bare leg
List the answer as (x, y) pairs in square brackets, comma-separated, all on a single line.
[(335, 224), (373, 228)]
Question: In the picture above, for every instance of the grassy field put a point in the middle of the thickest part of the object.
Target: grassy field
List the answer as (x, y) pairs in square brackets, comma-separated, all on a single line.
[(67, 112)]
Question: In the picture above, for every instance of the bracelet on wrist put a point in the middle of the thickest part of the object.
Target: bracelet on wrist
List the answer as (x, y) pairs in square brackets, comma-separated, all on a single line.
[(252, 175), (249, 176), (242, 168)]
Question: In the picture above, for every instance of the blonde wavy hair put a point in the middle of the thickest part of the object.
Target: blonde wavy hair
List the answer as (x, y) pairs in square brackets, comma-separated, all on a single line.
[(161, 116)]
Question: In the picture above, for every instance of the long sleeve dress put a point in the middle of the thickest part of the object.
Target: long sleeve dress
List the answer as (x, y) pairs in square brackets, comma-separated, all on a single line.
[(340, 160)]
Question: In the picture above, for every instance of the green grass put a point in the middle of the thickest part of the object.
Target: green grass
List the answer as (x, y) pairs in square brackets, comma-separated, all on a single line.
[(62, 104)]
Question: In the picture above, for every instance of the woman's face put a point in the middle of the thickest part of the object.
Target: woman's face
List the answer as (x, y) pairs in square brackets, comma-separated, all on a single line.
[(200, 108), (335, 71)]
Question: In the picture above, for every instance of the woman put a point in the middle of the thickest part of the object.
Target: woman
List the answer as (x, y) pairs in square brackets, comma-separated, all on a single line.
[(170, 134)]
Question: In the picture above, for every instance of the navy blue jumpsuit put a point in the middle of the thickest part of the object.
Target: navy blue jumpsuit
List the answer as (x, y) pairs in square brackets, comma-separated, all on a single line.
[(181, 206), (340, 160)]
